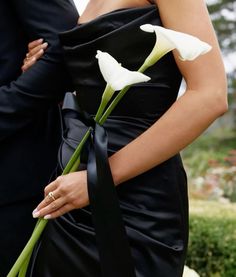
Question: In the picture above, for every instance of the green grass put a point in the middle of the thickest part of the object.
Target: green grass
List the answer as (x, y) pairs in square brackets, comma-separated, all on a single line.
[(212, 209)]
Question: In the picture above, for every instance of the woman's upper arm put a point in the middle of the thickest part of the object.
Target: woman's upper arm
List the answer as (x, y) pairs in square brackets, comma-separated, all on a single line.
[(191, 16)]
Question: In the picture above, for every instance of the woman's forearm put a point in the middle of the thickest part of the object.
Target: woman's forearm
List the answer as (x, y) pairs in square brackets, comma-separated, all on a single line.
[(179, 126)]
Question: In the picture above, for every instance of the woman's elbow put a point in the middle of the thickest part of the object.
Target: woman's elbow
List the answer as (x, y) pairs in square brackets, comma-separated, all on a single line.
[(219, 96)]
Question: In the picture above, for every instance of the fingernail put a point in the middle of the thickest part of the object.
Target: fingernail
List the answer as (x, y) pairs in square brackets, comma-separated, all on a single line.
[(40, 40), (48, 216), (45, 44), (35, 213)]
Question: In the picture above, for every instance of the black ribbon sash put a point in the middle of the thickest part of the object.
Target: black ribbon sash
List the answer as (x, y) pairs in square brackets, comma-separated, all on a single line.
[(113, 246)]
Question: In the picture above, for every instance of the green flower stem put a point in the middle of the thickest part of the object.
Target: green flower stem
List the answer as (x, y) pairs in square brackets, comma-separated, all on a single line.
[(74, 158), (144, 67), (28, 248), (100, 111), (75, 165), (113, 105), (155, 56), (106, 96), (25, 265)]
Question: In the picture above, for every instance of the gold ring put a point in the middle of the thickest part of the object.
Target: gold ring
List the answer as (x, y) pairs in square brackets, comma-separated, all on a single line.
[(27, 57), (51, 196)]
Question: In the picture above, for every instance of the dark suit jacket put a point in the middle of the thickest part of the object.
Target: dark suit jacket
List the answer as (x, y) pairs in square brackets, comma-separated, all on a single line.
[(29, 122)]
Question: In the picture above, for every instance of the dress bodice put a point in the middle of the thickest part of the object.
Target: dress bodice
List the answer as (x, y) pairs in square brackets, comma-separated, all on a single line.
[(119, 34)]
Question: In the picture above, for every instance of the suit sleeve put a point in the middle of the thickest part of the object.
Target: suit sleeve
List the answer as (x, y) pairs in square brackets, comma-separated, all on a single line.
[(44, 83)]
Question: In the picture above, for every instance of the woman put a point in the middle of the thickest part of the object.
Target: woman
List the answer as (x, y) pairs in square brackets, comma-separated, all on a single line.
[(146, 131)]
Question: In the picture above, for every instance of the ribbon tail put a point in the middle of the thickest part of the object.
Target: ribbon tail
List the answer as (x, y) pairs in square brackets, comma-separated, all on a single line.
[(113, 245)]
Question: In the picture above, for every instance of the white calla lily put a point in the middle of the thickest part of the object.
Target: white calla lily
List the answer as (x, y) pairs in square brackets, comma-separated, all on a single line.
[(188, 46), (116, 76)]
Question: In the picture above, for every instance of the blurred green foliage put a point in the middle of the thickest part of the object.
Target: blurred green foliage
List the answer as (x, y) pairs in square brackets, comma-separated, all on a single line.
[(212, 242), (209, 147), (210, 163)]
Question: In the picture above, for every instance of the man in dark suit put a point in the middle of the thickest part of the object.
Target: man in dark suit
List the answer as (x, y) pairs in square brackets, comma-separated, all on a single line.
[(29, 119)]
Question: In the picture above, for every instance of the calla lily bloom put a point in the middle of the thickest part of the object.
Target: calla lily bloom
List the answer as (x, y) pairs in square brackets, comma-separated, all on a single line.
[(116, 76), (188, 46)]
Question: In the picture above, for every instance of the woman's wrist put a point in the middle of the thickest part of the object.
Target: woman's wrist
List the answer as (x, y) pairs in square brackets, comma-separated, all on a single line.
[(115, 170)]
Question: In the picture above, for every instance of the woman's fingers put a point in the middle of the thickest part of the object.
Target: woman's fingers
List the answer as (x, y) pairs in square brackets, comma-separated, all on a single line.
[(59, 212), (45, 208), (52, 186), (34, 43), (53, 199), (37, 51), (28, 63)]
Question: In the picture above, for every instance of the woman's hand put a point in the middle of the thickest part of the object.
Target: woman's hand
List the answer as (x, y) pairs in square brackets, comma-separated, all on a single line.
[(66, 193), (36, 49)]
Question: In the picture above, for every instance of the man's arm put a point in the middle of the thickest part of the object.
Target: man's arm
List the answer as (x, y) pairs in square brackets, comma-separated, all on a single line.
[(44, 83)]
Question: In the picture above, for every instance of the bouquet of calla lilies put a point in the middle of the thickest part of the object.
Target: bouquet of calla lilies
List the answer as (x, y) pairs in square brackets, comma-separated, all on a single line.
[(119, 79)]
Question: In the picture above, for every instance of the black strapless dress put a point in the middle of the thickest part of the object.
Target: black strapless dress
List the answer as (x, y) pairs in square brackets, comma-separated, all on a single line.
[(154, 205)]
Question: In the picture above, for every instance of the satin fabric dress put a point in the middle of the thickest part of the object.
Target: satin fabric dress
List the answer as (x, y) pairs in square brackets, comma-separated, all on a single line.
[(154, 205)]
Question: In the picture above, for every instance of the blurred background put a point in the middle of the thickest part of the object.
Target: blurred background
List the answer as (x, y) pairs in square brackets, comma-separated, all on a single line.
[(210, 163)]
